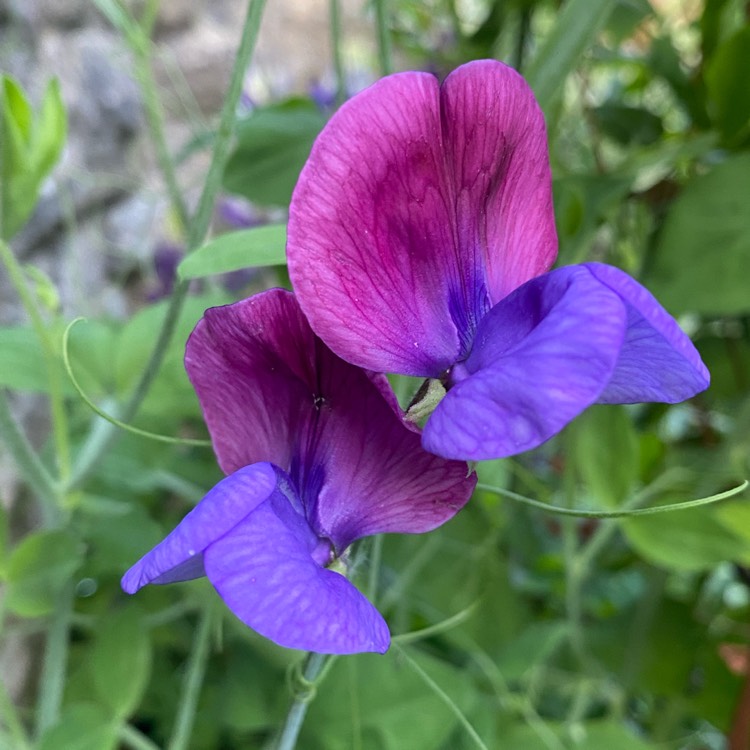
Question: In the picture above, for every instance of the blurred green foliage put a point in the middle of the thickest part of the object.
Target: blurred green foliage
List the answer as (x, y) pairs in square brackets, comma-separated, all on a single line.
[(579, 633)]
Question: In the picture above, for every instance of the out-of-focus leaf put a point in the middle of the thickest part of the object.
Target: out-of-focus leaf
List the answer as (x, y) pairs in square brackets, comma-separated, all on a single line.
[(31, 144), (665, 61), (38, 569), (626, 16), (535, 644), (120, 661), (685, 540), (272, 146), (590, 735), (396, 709), (628, 125), (727, 88), (582, 202), (605, 451), (82, 726), (171, 393), (4, 539), (702, 256), (246, 248), (576, 26)]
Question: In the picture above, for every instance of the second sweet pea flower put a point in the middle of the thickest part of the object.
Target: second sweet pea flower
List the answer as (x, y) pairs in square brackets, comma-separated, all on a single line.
[(420, 239), (317, 456)]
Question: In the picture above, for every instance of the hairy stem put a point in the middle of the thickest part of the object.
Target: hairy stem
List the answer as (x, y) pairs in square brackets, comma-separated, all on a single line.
[(304, 693), (338, 60), (384, 37), (28, 463), (54, 665), (196, 671), (54, 377)]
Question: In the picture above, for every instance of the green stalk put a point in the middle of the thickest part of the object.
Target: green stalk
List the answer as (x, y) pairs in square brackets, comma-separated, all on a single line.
[(55, 662), (196, 670), (197, 231), (338, 60), (9, 717), (312, 672), (57, 405), (135, 740), (155, 118), (28, 463), (384, 37)]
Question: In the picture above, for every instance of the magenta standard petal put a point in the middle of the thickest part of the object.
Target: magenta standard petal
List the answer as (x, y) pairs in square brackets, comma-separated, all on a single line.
[(270, 390), (371, 241), (658, 362), (541, 356), (265, 571), (180, 556), (418, 208), (496, 140)]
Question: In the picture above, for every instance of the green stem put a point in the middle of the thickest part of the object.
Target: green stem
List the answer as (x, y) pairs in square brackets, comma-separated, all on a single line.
[(384, 37), (196, 670), (57, 405), (28, 463), (9, 717), (376, 552), (312, 673), (338, 60), (444, 697), (196, 233), (155, 117), (134, 739), (54, 665)]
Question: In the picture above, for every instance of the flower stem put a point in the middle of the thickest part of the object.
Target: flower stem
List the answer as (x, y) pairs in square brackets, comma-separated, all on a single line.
[(384, 37), (135, 740), (338, 62), (197, 231), (155, 118), (54, 665), (28, 463), (196, 670), (54, 376), (304, 692)]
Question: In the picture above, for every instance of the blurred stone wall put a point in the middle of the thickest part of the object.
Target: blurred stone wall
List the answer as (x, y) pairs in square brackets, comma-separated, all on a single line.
[(104, 209)]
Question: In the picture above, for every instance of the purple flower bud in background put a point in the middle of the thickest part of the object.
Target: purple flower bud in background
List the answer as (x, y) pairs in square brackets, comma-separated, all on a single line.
[(420, 241), (317, 455)]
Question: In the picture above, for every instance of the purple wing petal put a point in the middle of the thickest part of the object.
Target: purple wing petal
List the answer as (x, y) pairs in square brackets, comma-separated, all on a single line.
[(371, 245), (270, 390), (495, 134), (658, 362), (180, 556), (264, 570), (541, 356)]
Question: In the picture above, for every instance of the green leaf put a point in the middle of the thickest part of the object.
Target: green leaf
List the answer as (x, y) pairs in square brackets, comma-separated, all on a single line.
[(4, 539), (31, 145), (272, 146), (247, 248), (120, 661), (38, 568), (23, 367), (628, 125), (575, 29), (706, 238), (693, 540), (82, 726), (534, 645), (589, 735), (605, 451), (388, 696), (727, 89), (50, 130)]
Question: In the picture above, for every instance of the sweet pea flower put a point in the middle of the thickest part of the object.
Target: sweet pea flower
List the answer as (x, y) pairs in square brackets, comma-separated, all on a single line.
[(317, 456), (420, 239)]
